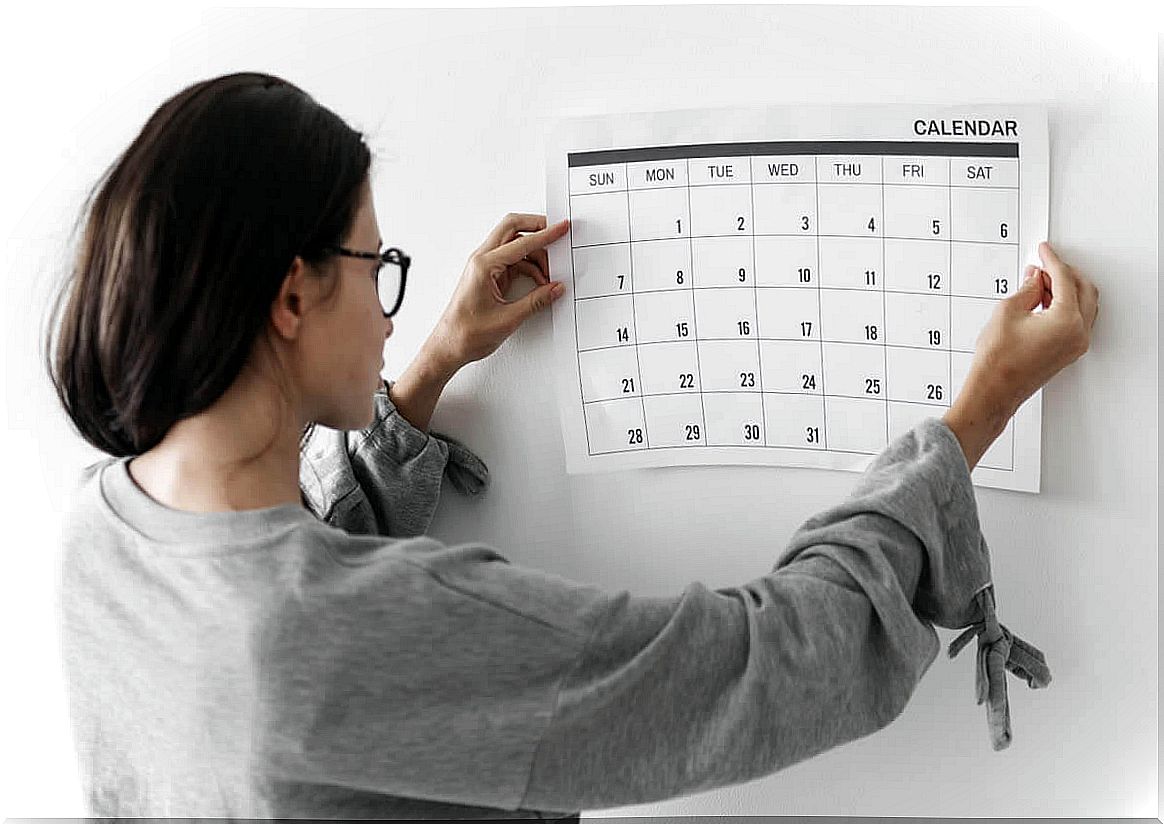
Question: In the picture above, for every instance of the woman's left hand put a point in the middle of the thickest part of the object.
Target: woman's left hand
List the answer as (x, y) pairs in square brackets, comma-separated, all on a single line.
[(478, 318)]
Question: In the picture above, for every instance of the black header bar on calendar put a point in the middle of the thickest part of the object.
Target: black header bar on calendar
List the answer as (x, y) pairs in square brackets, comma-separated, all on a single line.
[(919, 148)]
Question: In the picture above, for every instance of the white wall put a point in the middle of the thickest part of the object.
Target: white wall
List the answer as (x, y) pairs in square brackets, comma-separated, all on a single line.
[(455, 101)]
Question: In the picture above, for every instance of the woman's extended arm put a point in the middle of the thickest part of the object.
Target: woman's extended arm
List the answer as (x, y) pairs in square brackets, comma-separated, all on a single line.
[(449, 674)]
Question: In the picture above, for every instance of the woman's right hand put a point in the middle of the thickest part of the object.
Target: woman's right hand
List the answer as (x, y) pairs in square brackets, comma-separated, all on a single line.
[(1019, 350)]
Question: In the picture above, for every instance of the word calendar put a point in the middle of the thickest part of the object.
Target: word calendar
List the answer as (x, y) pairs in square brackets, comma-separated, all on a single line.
[(791, 286)]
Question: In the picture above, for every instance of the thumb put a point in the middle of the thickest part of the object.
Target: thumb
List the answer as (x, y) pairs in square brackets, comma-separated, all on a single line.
[(539, 298), (1029, 295)]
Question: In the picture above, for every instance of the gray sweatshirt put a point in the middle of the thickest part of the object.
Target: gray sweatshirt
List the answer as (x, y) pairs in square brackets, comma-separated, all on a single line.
[(334, 661)]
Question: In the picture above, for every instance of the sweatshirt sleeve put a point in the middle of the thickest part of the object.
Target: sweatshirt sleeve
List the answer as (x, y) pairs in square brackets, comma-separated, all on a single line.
[(715, 687), (385, 479)]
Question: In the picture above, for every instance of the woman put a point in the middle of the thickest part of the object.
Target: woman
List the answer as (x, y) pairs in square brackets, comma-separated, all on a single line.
[(254, 622)]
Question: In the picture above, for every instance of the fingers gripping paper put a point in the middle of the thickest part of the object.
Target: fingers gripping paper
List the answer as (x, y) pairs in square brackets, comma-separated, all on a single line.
[(790, 286)]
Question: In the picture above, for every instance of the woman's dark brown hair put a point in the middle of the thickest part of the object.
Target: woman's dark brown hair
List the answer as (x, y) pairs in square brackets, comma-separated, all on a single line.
[(188, 237)]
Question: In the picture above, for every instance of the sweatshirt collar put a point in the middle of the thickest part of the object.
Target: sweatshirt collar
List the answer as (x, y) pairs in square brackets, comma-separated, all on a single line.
[(162, 524)]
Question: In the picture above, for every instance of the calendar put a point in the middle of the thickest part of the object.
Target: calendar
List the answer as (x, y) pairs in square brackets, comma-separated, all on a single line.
[(786, 286)]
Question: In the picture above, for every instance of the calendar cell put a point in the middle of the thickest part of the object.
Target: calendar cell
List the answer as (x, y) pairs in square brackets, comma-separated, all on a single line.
[(856, 424), (719, 171), (605, 322), (917, 266), (784, 208), (607, 374), (984, 215), (967, 317), (661, 264), (599, 218), (734, 419), (726, 313), (851, 263), (655, 174), (658, 214), (722, 261), (916, 171), (854, 371), (675, 420), (851, 210), (918, 376), (960, 363), (917, 320), (920, 212), (786, 261), (905, 416), (593, 179), (848, 169), (730, 366), (783, 169), (1000, 454), (616, 426), (988, 172), (665, 316), (669, 368), (791, 366), (793, 421), (852, 317), (721, 210), (602, 270), (984, 270), (788, 314), (959, 369)]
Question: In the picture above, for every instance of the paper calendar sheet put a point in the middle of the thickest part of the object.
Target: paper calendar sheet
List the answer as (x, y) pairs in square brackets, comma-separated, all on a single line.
[(789, 286)]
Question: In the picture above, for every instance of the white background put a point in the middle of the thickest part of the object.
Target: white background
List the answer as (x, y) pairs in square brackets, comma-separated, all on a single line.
[(454, 103)]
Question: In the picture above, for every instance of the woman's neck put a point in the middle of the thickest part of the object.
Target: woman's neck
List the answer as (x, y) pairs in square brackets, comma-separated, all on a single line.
[(233, 456)]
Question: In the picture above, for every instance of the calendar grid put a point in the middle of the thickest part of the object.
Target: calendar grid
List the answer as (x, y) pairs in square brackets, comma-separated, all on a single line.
[(848, 368)]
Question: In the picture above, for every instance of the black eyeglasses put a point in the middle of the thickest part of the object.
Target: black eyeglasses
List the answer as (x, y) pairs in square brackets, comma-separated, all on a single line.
[(391, 270)]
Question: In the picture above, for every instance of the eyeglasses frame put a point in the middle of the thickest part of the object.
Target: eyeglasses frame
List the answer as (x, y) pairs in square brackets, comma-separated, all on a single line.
[(389, 255)]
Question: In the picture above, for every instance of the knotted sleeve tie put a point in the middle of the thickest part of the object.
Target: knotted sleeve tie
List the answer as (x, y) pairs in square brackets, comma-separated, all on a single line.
[(999, 650)]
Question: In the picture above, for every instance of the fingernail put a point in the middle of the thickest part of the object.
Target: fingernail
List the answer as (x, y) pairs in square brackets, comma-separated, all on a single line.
[(558, 289)]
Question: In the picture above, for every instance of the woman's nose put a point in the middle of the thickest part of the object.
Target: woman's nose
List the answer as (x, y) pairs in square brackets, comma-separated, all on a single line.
[(388, 327)]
